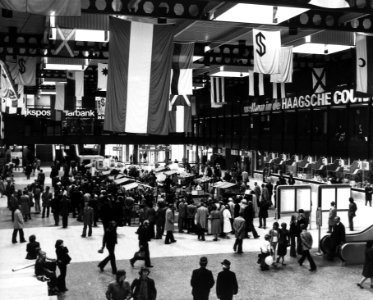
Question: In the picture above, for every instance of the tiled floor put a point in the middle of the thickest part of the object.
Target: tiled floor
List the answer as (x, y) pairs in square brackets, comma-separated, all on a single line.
[(174, 263)]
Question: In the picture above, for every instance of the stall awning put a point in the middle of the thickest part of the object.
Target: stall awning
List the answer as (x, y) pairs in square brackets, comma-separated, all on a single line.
[(223, 185), (203, 179), (169, 173), (185, 175), (130, 186), (123, 180)]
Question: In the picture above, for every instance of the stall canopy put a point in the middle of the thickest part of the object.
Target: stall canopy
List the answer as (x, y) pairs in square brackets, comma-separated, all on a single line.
[(223, 185), (130, 186), (203, 179), (185, 175), (123, 180), (169, 173)]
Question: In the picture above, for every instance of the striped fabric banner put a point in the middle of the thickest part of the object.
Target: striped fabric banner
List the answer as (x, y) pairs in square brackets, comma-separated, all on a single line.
[(276, 92), (138, 86), (364, 64), (256, 84), (182, 72), (65, 93), (180, 114), (217, 92)]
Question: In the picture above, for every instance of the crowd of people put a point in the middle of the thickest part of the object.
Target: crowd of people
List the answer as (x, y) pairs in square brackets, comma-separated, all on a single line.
[(91, 198)]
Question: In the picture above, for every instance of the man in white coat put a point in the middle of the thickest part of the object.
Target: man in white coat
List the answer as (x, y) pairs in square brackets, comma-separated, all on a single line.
[(18, 226)]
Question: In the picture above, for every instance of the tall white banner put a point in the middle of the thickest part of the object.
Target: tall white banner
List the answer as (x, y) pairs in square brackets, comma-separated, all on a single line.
[(267, 49)]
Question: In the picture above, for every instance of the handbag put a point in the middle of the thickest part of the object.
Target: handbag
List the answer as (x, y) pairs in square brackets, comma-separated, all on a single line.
[(67, 259), (140, 254)]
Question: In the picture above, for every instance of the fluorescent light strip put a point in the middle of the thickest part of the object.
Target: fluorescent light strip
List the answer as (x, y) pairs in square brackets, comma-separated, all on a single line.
[(315, 48), (261, 14), (64, 67)]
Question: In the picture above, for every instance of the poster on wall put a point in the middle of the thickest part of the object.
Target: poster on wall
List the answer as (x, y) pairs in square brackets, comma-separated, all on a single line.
[(304, 199), (287, 200), (328, 196), (100, 107)]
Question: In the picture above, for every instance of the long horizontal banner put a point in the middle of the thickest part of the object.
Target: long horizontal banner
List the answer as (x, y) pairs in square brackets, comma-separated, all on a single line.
[(335, 98)]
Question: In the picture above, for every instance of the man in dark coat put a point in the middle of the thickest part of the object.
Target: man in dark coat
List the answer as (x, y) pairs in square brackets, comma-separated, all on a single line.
[(249, 215), (65, 206), (144, 287), (160, 218), (226, 283), (109, 240), (202, 281), (182, 208), (337, 239), (143, 235)]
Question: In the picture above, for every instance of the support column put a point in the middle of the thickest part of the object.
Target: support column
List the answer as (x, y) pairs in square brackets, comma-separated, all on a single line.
[(135, 155), (127, 153)]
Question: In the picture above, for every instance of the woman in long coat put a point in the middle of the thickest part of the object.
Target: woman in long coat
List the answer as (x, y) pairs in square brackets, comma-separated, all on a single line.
[(227, 226), (215, 222), (368, 265)]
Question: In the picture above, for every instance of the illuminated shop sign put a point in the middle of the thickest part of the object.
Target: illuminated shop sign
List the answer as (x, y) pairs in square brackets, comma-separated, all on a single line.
[(46, 113), (323, 99), (315, 100), (81, 113), (34, 112), (263, 107)]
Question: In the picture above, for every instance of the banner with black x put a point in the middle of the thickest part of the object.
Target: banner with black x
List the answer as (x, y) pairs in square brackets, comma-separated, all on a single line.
[(318, 80)]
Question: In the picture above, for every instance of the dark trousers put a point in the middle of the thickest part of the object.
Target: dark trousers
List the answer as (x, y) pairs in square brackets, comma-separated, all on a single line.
[(146, 258), (293, 246), (45, 209), (190, 225), (151, 232), (85, 230), (64, 221), (262, 222), (306, 254), (61, 283), (56, 217), (169, 237), (201, 297), (21, 235), (181, 223), (351, 222), (160, 230), (250, 227), (368, 201), (238, 245), (110, 257), (200, 232)]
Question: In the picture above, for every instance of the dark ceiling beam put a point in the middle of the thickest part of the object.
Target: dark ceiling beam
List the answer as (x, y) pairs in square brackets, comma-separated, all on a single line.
[(179, 9), (332, 21)]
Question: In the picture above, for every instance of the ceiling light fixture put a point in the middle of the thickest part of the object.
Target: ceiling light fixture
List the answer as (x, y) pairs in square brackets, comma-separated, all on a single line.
[(229, 71), (64, 67), (325, 43), (261, 14)]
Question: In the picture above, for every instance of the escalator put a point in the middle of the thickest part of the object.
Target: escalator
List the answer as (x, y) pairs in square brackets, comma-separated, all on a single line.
[(354, 248)]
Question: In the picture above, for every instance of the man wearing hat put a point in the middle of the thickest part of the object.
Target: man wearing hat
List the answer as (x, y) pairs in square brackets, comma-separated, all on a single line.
[(202, 281), (226, 283), (143, 288)]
